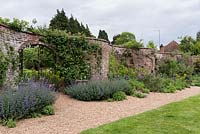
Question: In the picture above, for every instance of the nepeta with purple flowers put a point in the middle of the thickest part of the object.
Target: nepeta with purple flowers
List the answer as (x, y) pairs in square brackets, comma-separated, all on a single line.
[(28, 98)]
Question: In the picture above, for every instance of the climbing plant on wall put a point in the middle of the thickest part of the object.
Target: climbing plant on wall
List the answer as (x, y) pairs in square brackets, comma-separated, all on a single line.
[(73, 55), (9, 62), (15, 24), (119, 70), (3, 67)]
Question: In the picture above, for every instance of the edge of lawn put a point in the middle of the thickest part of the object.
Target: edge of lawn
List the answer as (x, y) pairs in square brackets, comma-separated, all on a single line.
[(160, 109)]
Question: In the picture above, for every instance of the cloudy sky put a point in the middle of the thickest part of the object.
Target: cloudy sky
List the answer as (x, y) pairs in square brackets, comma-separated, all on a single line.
[(174, 18)]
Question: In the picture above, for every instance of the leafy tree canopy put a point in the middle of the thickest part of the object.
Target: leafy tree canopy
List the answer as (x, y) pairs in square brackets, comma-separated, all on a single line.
[(115, 38), (124, 38), (187, 44), (198, 36), (196, 49), (190, 45), (128, 40), (151, 45)]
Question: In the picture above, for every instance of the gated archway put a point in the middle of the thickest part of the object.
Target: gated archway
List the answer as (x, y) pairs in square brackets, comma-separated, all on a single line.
[(13, 42), (29, 44), (17, 41)]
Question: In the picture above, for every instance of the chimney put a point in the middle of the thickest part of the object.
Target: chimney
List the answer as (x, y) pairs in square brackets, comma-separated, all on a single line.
[(162, 48)]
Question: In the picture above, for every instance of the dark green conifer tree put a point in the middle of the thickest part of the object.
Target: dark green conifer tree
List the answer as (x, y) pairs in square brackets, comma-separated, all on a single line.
[(87, 31), (60, 21), (103, 35)]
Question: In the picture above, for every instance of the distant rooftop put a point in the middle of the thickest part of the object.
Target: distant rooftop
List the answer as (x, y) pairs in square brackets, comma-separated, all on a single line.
[(172, 46)]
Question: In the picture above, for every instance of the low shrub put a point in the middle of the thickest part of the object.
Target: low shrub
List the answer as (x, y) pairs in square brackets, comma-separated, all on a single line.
[(181, 84), (152, 82), (164, 84), (195, 80), (146, 90), (169, 88), (48, 110), (35, 115), (175, 85), (197, 66), (138, 94), (170, 68), (119, 96), (10, 123), (110, 100), (98, 90), (138, 86), (27, 99)]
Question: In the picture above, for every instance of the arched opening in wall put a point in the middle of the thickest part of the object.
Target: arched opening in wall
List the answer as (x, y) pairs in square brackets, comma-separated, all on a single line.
[(36, 60)]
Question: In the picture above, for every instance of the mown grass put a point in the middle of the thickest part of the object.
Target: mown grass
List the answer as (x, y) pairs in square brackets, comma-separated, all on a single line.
[(176, 118)]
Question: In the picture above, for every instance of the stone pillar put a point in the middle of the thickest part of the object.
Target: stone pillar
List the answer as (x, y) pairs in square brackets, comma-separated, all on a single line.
[(106, 50), (104, 70)]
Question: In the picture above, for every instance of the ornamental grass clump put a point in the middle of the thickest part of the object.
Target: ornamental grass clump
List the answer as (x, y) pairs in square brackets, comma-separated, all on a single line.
[(98, 90), (27, 99)]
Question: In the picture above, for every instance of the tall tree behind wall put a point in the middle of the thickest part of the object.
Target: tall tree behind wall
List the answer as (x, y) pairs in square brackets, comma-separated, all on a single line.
[(103, 35), (71, 25), (60, 21), (198, 36)]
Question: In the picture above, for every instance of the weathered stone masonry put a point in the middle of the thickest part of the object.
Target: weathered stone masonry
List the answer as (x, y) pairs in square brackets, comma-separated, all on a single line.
[(143, 58), (20, 40)]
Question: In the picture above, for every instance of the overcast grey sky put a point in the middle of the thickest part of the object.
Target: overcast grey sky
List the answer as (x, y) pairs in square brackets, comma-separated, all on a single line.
[(174, 18)]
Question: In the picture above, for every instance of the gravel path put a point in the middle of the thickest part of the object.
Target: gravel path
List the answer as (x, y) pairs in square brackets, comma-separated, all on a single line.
[(73, 116)]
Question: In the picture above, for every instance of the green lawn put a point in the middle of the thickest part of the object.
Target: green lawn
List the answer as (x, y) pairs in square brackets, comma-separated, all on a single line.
[(176, 118)]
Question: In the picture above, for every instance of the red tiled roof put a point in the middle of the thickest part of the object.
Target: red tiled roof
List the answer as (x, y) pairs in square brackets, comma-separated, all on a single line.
[(172, 46)]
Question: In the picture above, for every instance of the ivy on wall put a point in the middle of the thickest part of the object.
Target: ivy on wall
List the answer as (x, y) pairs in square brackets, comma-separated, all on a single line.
[(12, 57), (9, 61), (73, 54), (99, 58), (3, 67)]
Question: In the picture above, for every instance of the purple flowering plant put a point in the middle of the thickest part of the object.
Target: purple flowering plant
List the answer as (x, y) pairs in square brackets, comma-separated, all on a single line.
[(29, 97)]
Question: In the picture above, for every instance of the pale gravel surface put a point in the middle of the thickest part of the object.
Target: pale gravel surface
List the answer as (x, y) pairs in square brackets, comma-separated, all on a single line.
[(73, 116)]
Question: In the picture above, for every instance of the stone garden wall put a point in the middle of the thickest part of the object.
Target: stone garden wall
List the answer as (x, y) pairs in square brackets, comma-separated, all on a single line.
[(143, 58), (17, 41), (147, 58), (101, 72)]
